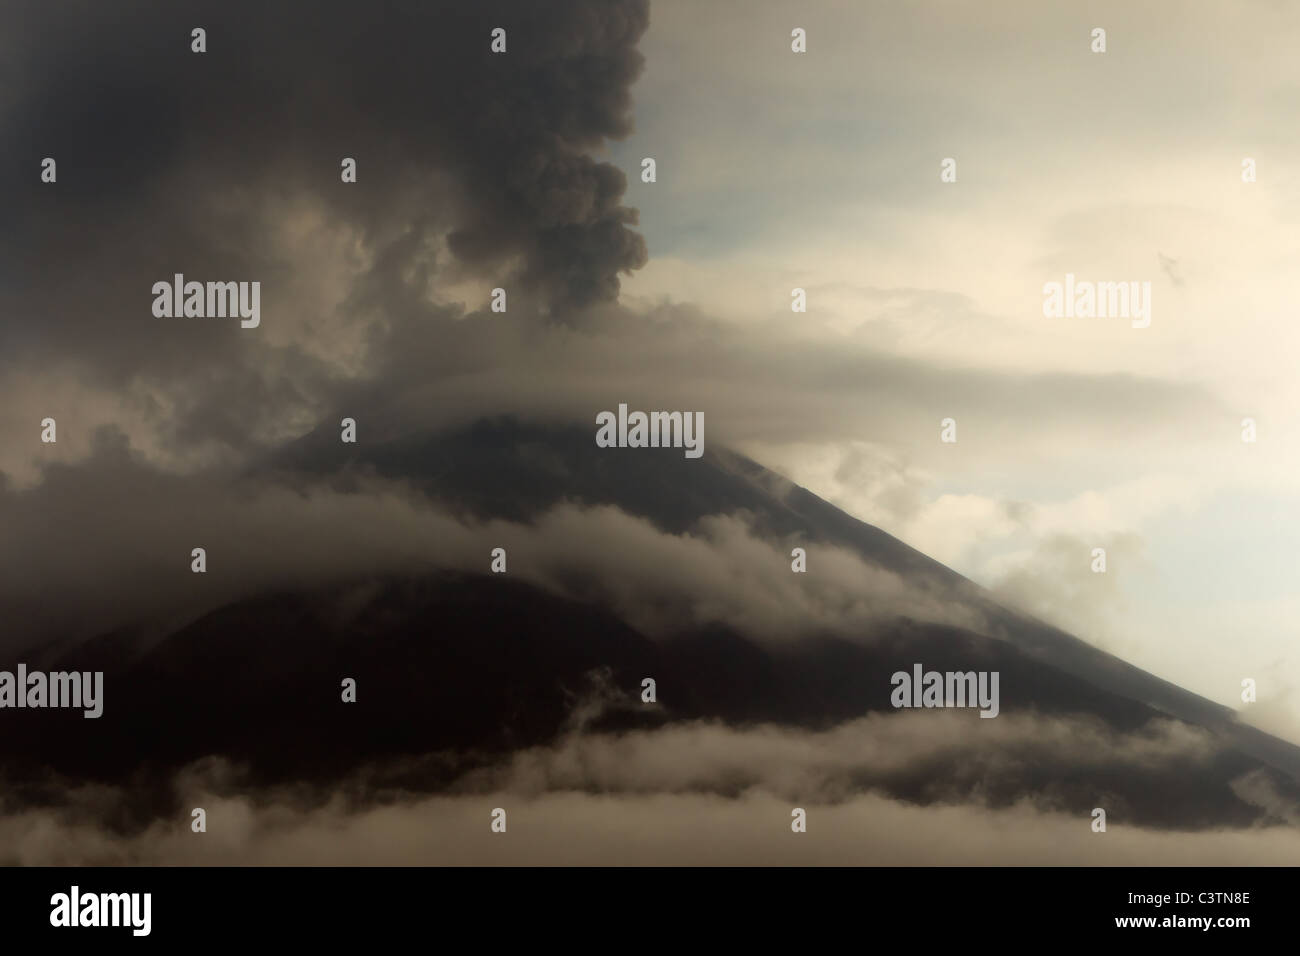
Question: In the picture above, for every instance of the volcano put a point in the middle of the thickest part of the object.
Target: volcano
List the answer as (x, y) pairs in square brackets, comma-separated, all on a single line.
[(457, 670)]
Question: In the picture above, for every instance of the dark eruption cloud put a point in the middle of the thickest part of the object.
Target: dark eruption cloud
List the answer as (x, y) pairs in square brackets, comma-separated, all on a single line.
[(172, 161)]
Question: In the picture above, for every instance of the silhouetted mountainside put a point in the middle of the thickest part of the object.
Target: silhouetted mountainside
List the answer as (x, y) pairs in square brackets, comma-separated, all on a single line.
[(455, 670), (510, 470)]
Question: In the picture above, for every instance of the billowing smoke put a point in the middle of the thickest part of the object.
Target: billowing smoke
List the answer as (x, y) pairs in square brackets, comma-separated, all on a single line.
[(220, 164)]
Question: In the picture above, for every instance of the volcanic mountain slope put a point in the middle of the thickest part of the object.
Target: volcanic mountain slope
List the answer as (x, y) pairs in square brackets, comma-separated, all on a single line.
[(457, 670)]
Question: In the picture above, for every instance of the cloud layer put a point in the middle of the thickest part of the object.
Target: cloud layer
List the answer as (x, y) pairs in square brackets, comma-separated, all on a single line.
[(696, 794)]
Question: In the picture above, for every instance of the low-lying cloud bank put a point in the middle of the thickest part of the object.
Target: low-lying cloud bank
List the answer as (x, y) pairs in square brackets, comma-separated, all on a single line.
[(678, 829), (693, 794)]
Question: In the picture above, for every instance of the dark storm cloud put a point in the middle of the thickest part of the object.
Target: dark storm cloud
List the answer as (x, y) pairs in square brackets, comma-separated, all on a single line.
[(171, 161), (473, 170)]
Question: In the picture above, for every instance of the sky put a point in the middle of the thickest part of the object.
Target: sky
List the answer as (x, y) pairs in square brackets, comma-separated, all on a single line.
[(822, 171)]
